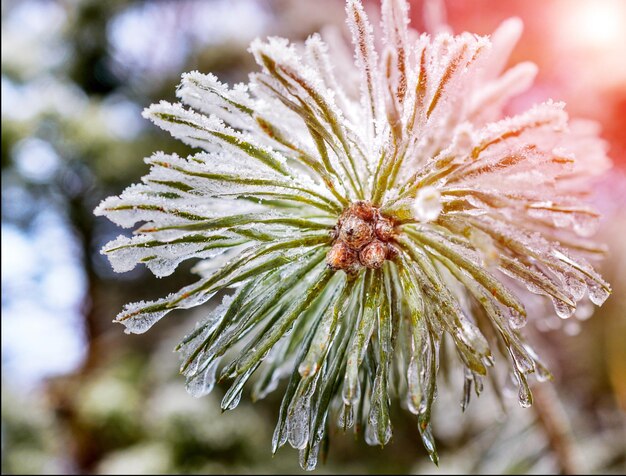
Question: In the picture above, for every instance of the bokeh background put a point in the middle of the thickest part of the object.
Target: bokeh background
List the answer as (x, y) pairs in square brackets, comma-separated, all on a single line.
[(79, 396)]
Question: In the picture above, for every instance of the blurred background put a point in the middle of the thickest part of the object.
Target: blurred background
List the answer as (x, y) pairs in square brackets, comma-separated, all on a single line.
[(79, 396)]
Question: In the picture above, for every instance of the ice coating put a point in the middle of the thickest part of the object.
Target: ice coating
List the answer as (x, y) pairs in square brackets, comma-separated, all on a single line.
[(357, 207)]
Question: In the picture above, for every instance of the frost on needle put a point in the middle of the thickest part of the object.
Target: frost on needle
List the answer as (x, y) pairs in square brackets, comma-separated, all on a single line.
[(361, 213)]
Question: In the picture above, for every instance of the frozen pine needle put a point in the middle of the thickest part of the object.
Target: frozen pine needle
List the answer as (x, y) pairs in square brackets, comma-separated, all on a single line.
[(358, 219)]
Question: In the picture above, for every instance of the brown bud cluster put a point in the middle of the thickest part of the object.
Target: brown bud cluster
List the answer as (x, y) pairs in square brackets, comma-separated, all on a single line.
[(355, 232), (362, 239)]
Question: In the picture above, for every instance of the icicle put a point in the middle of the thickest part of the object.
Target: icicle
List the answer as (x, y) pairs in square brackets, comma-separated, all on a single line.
[(345, 419), (525, 396), (428, 439), (298, 421), (202, 383)]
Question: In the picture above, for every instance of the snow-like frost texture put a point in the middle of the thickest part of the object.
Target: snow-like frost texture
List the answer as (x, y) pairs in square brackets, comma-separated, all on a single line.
[(488, 229)]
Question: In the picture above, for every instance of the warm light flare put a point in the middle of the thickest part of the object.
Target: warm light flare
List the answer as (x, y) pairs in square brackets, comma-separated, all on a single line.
[(596, 24)]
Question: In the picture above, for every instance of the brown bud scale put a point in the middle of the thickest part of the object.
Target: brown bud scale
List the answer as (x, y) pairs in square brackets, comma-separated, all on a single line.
[(356, 232), (341, 256), (361, 238), (384, 229), (373, 255)]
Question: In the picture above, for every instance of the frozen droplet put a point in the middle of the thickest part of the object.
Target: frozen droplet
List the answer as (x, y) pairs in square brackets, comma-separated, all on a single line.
[(414, 396), (427, 205), (298, 422), (597, 293), (542, 373), (279, 437), (351, 393), (523, 362), (575, 286), (306, 369), (377, 432), (524, 395), (516, 318), (467, 390), (232, 396), (139, 322), (378, 427), (202, 383), (346, 417), (308, 459), (563, 309), (232, 402), (428, 439), (371, 437)]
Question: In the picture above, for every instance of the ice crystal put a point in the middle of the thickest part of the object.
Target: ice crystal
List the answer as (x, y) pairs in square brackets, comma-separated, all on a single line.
[(361, 214)]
